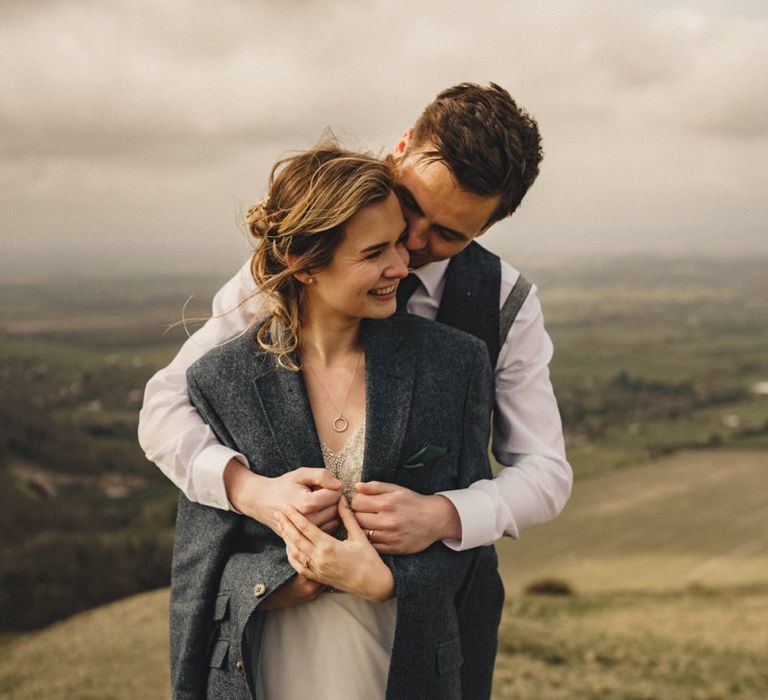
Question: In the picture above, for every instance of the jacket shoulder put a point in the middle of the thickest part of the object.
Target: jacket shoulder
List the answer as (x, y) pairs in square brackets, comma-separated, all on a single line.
[(232, 358), (432, 335)]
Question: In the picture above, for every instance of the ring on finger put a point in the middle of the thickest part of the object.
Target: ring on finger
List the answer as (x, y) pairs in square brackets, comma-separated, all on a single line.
[(370, 534)]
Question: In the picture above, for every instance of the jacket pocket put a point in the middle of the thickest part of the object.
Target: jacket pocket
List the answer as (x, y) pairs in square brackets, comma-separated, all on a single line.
[(219, 655), (449, 656), (219, 642), (221, 607)]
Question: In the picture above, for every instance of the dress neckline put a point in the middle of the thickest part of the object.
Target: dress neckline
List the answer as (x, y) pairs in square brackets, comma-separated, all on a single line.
[(347, 445)]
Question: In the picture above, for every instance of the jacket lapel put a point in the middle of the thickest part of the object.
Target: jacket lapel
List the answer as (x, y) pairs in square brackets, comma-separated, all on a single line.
[(389, 380), (285, 405)]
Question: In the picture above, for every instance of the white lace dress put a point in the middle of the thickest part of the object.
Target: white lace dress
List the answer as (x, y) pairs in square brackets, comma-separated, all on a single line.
[(338, 646)]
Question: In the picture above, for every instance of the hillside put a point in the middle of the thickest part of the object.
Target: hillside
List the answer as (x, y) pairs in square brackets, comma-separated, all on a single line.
[(707, 644), (651, 359), (694, 518), (669, 561), (116, 651)]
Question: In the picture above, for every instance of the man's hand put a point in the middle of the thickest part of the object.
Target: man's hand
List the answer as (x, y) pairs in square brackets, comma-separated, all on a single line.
[(403, 521), (313, 492), (298, 590)]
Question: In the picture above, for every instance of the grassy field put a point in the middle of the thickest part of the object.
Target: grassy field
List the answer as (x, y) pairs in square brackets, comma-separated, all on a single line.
[(707, 644), (699, 644), (692, 519), (668, 567)]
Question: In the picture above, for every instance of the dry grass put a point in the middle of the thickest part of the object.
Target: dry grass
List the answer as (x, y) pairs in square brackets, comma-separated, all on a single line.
[(696, 644), (699, 643), (695, 518), (119, 651), (669, 562)]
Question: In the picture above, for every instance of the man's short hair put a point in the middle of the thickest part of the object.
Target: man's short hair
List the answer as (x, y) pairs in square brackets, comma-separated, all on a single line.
[(491, 145)]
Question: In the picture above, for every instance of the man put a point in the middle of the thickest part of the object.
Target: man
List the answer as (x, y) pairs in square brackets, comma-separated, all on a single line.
[(467, 163)]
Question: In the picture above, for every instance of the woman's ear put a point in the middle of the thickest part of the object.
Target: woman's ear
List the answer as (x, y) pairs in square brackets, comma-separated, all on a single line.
[(304, 277), (402, 144)]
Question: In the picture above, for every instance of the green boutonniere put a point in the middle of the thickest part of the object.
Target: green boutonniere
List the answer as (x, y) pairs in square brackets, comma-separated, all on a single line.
[(426, 453)]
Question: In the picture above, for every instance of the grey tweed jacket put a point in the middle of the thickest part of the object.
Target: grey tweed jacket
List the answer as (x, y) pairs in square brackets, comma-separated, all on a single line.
[(425, 384)]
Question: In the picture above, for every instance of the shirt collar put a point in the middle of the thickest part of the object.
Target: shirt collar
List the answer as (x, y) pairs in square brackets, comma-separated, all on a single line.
[(431, 275)]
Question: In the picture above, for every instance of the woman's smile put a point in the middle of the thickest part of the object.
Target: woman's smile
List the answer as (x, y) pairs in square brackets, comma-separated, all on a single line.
[(384, 293)]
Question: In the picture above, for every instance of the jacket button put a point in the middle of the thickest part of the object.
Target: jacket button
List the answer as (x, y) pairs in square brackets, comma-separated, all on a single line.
[(259, 590), (240, 667)]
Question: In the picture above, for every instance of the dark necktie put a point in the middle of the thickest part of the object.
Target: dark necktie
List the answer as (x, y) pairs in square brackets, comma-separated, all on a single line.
[(405, 291)]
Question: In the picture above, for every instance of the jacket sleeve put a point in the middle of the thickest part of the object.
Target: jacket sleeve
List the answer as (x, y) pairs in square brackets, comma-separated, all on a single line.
[(171, 432), (204, 540)]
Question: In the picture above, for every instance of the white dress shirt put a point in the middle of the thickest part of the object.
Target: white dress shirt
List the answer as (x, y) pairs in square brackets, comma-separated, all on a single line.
[(532, 488)]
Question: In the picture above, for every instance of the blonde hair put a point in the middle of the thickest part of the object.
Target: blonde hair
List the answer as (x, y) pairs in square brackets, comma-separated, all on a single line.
[(311, 196)]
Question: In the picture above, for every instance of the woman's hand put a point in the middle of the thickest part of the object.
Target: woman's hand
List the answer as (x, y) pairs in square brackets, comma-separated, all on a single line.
[(351, 565), (295, 592)]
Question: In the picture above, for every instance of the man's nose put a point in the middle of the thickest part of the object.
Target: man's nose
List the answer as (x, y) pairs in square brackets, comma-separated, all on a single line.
[(417, 233)]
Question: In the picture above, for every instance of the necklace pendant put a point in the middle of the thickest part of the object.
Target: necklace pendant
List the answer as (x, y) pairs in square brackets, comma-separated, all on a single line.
[(340, 424)]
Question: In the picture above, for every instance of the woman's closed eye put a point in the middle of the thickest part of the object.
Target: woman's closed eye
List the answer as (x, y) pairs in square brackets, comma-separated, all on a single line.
[(378, 252)]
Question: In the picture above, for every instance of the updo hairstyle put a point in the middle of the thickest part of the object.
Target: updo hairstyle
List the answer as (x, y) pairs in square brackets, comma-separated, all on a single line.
[(311, 196)]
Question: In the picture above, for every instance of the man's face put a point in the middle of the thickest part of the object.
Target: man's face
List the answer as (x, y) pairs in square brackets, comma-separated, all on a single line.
[(442, 218)]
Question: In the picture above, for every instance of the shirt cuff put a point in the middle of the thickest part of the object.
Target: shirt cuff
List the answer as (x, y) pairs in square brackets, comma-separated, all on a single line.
[(478, 518), (208, 476)]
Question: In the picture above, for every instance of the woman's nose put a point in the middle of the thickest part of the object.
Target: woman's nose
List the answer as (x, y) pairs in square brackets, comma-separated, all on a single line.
[(399, 266)]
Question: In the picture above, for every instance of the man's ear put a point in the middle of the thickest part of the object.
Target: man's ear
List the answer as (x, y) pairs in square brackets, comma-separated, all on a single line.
[(402, 144)]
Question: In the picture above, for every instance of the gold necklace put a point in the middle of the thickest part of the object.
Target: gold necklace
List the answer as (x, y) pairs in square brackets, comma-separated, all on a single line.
[(340, 423)]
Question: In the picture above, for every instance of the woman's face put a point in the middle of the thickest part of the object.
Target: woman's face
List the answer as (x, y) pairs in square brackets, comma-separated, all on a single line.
[(371, 259)]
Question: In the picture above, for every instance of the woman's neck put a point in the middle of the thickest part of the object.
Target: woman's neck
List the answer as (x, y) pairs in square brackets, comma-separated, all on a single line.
[(329, 339)]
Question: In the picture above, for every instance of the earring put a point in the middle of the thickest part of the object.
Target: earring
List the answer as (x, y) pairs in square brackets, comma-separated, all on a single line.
[(311, 280)]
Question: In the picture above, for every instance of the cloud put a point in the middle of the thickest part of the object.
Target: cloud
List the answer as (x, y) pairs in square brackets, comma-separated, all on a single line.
[(123, 120)]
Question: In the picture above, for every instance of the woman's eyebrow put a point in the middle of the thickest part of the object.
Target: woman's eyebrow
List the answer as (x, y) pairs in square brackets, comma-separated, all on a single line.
[(384, 244)]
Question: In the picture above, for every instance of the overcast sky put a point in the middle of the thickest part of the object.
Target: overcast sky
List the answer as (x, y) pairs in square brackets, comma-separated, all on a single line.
[(134, 133)]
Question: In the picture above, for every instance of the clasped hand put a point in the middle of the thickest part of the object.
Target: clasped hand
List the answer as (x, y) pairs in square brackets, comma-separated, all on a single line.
[(397, 520), (350, 565)]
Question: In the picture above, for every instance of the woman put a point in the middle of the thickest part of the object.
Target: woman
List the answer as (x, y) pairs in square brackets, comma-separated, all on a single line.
[(330, 379)]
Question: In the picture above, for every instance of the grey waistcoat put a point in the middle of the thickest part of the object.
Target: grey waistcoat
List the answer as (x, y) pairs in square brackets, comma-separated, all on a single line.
[(471, 295), (425, 383)]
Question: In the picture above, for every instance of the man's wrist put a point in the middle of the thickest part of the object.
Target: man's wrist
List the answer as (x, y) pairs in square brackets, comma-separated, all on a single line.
[(239, 482), (446, 519), (207, 476)]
